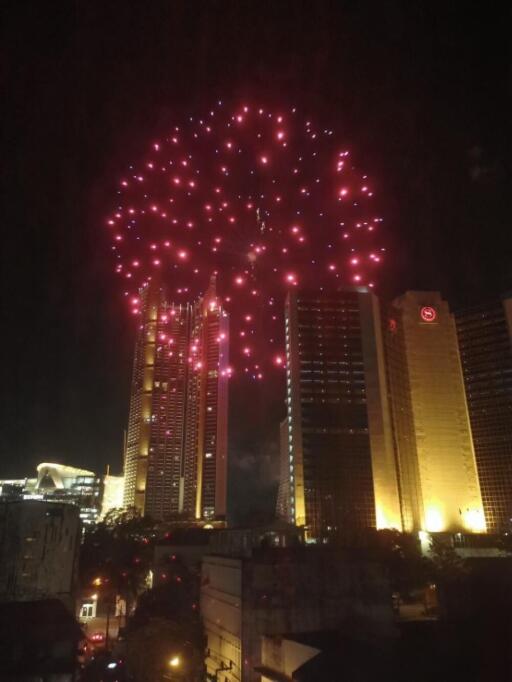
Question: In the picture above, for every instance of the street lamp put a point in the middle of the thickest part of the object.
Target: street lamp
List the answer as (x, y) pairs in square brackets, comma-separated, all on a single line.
[(174, 668), (107, 598), (175, 662)]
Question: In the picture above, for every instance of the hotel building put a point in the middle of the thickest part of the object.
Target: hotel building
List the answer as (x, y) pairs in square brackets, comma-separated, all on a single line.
[(437, 472)]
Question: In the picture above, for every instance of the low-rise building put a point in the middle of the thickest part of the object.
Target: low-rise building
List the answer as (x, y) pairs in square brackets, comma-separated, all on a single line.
[(93, 495), (185, 545), (282, 656), (272, 590), (15, 488), (39, 544), (326, 656), (69, 484)]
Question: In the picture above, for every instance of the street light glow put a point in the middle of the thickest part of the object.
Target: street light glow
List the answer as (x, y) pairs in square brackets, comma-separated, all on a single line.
[(175, 661)]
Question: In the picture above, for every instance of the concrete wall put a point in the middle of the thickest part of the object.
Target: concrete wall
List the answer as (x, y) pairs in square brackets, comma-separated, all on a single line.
[(221, 610), (285, 591), (39, 544), (284, 655)]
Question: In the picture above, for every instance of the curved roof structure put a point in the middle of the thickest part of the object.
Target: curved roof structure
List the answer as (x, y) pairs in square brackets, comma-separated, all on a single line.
[(51, 474)]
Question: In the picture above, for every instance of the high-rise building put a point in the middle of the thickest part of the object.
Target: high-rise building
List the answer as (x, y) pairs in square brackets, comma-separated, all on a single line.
[(341, 468), (176, 450), (485, 343), (438, 478)]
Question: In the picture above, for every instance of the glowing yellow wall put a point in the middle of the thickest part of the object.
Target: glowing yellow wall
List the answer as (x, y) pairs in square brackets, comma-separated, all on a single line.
[(448, 496), (135, 466), (385, 484), (296, 464)]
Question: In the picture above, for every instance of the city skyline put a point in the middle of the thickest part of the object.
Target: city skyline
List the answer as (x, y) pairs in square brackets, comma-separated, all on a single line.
[(428, 126), (256, 388), (414, 366)]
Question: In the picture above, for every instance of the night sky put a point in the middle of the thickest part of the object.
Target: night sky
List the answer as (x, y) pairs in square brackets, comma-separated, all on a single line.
[(419, 91)]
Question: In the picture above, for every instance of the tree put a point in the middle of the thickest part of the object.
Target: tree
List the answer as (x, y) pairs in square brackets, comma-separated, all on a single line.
[(400, 553), (451, 574), (154, 644), (167, 620), (447, 565), (117, 553)]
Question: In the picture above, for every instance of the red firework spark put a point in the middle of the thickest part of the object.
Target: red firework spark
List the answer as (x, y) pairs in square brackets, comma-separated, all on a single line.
[(266, 199)]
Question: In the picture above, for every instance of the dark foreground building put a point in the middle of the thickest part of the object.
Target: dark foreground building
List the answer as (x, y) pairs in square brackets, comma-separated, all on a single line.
[(485, 342), (39, 640), (248, 591), (39, 545), (323, 656)]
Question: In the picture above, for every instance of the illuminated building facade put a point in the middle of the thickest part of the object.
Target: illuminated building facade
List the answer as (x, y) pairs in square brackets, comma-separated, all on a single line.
[(434, 450), (176, 450), (283, 492), (113, 492), (485, 343), (60, 483), (341, 467)]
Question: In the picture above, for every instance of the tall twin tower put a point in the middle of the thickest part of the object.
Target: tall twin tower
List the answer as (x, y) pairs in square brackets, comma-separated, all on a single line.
[(176, 447)]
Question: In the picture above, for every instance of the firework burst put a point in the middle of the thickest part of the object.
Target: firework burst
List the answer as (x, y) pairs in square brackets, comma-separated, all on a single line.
[(268, 200)]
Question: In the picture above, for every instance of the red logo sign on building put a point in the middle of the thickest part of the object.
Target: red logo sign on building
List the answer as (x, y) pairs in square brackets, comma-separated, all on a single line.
[(428, 314)]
